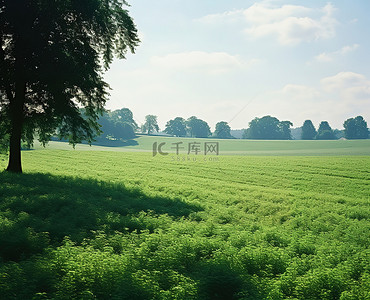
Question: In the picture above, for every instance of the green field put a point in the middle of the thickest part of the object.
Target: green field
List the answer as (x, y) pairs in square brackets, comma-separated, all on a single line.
[(126, 225), (233, 147)]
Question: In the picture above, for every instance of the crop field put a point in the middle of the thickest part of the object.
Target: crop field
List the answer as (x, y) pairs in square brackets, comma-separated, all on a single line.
[(231, 147), (126, 225)]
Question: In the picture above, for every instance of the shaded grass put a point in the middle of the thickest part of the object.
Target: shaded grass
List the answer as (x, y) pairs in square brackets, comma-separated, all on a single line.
[(47, 208)]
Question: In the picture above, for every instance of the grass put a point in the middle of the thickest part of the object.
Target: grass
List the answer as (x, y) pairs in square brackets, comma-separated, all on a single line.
[(234, 147), (126, 225)]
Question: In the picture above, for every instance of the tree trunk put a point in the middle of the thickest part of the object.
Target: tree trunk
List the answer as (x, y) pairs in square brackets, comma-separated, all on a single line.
[(15, 164), (16, 117), (16, 106)]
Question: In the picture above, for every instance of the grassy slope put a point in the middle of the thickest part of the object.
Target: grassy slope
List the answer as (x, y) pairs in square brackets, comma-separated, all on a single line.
[(240, 147), (154, 228)]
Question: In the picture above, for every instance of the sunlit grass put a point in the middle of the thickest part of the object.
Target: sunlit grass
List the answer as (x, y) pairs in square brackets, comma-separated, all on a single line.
[(233, 147)]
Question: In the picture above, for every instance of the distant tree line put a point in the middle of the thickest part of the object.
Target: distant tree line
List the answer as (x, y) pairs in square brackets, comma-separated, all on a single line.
[(270, 128), (354, 128), (120, 125), (192, 127), (197, 128)]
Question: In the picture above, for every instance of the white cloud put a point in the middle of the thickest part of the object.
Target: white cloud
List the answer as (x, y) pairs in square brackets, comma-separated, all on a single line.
[(347, 49), (295, 103), (331, 56), (214, 62), (300, 92), (324, 57), (344, 80), (260, 13), (290, 24), (352, 87), (227, 16)]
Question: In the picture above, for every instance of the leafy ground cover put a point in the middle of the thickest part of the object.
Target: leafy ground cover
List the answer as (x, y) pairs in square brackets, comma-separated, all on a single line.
[(126, 225)]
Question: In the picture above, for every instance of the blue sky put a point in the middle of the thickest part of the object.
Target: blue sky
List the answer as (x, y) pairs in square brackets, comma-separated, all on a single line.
[(236, 60)]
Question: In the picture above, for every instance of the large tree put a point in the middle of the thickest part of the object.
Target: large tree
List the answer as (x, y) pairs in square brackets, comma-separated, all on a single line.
[(325, 132), (52, 57), (223, 130), (356, 128), (176, 127), (150, 125), (308, 130)]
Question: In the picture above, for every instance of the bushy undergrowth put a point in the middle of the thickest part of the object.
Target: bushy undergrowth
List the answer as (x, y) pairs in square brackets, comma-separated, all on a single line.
[(133, 227)]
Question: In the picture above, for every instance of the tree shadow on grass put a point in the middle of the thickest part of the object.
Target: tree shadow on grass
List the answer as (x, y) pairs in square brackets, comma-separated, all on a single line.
[(115, 143), (104, 142), (39, 210)]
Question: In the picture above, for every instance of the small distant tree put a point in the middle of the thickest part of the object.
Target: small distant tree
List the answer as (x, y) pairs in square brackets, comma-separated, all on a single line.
[(198, 128), (308, 130), (338, 134), (268, 128), (123, 131), (356, 128), (190, 124), (150, 124), (223, 130), (176, 127), (284, 127), (114, 128), (253, 131), (325, 132), (124, 115)]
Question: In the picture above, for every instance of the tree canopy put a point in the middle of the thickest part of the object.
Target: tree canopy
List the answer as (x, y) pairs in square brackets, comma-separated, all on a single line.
[(150, 125), (176, 127), (52, 58), (198, 128), (118, 124), (308, 130), (124, 116), (268, 128), (223, 130), (356, 128), (325, 132)]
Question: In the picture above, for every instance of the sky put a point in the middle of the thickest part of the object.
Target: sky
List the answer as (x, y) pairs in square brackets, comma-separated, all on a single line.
[(234, 60)]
